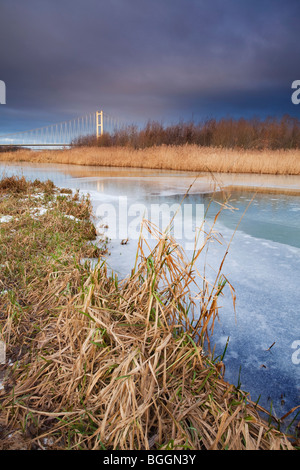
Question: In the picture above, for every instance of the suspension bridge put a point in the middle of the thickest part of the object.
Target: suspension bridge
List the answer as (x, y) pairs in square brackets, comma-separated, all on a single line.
[(62, 134)]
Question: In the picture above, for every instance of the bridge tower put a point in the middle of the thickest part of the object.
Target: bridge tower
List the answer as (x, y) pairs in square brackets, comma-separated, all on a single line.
[(99, 123)]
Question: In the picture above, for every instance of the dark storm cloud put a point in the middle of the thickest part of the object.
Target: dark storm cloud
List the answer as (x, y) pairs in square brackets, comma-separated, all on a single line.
[(147, 59)]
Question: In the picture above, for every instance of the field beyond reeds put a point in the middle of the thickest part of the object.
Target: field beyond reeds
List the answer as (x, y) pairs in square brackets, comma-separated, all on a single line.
[(170, 157), (94, 363)]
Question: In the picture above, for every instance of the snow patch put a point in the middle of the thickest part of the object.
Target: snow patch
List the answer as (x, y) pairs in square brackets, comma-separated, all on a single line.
[(6, 218)]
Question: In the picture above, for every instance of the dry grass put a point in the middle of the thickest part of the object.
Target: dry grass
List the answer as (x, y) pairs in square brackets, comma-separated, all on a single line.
[(99, 364), (187, 158)]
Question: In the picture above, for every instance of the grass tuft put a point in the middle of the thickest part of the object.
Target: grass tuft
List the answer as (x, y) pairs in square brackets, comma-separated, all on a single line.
[(96, 363)]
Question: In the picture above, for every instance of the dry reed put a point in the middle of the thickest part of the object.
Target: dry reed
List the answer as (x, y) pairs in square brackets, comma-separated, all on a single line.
[(171, 157), (110, 365)]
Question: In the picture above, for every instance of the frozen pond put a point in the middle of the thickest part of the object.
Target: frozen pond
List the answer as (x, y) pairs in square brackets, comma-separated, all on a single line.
[(263, 263)]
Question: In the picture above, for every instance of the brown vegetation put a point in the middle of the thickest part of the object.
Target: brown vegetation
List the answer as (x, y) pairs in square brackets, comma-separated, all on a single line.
[(185, 158), (269, 134), (93, 363), (271, 146), (9, 148)]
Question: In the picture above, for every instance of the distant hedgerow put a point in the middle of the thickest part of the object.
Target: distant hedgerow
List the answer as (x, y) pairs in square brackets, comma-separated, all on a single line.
[(270, 133)]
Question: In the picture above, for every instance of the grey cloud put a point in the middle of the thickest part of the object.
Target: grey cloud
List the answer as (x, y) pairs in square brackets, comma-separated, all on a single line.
[(146, 59)]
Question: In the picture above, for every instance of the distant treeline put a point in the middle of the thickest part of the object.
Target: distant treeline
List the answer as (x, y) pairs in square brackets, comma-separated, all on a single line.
[(9, 148), (270, 133)]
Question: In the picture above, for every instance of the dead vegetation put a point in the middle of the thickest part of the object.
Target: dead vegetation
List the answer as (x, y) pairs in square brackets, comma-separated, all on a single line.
[(269, 146), (170, 157), (268, 134), (94, 363)]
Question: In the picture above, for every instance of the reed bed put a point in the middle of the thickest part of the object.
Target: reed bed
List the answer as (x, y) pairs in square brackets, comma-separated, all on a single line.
[(98, 363), (170, 157)]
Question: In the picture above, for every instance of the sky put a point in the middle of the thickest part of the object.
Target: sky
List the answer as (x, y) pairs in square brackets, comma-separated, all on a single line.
[(139, 60)]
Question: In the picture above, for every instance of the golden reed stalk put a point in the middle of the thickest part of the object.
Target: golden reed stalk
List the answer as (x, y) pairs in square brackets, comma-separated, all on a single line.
[(184, 158)]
